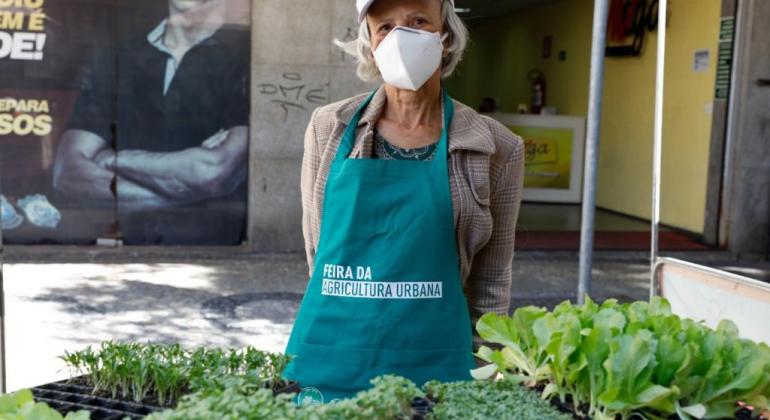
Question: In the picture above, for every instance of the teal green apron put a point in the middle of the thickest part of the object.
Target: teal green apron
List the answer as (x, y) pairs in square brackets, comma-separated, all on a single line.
[(386, 294)]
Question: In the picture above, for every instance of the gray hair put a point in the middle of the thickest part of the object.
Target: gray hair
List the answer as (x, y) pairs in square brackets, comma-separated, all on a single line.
[(457, 39)]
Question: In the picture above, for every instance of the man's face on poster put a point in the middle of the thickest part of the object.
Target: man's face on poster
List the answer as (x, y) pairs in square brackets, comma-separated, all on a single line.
[(188, 5)]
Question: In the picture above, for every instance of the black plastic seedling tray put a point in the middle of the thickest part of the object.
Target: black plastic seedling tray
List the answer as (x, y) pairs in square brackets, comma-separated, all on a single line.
[(66, 397), (71, 395)]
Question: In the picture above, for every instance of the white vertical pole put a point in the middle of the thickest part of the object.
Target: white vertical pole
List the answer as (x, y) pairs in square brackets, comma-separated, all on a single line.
[(658, 139), (598, 45)]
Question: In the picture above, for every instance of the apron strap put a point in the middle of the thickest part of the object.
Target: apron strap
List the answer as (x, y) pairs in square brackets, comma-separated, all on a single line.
[(349, 137), (442, 150)]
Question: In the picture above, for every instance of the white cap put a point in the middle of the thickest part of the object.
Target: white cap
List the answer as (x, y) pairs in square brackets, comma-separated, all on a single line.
[(363, 7)]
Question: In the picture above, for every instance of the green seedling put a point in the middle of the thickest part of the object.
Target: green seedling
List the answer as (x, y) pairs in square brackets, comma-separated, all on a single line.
[(141, 371)]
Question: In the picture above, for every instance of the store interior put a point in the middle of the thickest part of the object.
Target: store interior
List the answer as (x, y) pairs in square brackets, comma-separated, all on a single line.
[(526, 51)]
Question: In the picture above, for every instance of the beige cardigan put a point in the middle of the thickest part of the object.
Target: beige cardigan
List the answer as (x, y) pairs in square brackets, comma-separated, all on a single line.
[(486, 172)]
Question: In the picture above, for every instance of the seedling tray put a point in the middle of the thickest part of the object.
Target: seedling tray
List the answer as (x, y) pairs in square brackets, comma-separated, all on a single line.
[(72, 395), (66, 397)]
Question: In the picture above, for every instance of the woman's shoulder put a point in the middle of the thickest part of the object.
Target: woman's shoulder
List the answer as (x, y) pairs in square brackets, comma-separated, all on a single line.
[(332, 118), (333, 112), (506, 140), (486, 134)]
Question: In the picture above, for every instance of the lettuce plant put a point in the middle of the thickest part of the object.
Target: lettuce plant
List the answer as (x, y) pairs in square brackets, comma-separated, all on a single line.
[(616, 360)]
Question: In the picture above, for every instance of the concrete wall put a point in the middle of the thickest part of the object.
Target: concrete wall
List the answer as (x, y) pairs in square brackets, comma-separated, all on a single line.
[(295, 68), (746, 200), (714, 183)]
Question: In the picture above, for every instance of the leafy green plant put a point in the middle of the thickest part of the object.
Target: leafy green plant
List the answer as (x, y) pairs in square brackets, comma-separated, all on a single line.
[(520, 353), (389, 398), (614, 360), (21, 405), (166, 372), (230, 403), (481, 400)]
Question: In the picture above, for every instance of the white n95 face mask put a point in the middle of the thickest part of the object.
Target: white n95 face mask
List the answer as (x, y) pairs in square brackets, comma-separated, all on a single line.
[(408, 57)]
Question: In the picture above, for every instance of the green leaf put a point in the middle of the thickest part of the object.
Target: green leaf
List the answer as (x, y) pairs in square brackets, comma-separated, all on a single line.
[(629, 371), (587, 311), (720, 410), (657, 397), (485, 353), (513, 358), (672, 356), (550, 391), (727, 328), (484, 372), (39, 411), (78, 415), (659, 307), (543, 328), (523, 320), (610, 304), (498, 329), (7, 404), (637, 312), (697, 410), (22, 397), (518, 379), (609, 395), (565, 308)]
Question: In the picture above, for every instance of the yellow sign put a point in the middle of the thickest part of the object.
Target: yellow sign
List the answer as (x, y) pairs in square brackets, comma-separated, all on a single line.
[(539, 151), (548, 156)]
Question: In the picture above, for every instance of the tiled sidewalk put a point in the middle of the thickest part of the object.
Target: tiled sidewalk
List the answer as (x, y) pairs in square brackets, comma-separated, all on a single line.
[(67, 298)]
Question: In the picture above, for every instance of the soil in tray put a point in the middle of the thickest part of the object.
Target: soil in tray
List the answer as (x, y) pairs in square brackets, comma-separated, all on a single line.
[(421, 407)]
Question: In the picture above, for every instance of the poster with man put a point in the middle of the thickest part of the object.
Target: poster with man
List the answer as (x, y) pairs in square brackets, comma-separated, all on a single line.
[(150, 143)]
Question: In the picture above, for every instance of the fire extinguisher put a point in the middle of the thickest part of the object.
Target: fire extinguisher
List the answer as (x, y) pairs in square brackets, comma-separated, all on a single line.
[(538, 90)]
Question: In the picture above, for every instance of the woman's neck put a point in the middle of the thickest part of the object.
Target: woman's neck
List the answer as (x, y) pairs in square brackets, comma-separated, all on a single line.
[(413, 109)]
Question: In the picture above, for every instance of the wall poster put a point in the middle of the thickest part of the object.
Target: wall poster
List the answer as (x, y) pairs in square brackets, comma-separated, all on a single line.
[(124, 119)]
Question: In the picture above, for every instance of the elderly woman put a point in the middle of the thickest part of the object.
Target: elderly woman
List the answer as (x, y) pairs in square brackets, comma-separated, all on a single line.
[(410, 203)]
